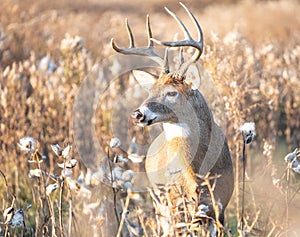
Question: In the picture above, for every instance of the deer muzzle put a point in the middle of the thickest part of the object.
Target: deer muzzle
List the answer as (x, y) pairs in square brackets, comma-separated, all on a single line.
[(138, 116), (143, 117)]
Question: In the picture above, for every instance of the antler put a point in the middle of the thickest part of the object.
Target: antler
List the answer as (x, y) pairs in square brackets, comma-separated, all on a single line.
[(189, 41), (148, 51)]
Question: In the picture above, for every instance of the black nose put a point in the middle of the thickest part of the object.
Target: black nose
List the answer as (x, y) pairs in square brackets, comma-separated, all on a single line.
[(137, 115)]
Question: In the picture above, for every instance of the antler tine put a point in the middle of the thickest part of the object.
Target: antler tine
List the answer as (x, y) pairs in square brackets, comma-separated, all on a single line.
[(189, 41), (179, 21), (199, 44), (131, 42), (132, 50), (130, 35), (166, 61), (149, 32), (199, 29), (181, 59)]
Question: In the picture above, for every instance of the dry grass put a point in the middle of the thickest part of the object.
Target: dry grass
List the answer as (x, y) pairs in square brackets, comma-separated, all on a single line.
[(252, 64)]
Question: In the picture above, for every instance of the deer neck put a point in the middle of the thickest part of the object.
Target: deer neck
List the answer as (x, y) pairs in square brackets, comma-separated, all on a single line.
[(178, 156), (176, 130), (179, 137)]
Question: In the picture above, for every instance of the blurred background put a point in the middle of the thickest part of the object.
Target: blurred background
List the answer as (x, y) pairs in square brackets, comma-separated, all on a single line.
[(40, 26)]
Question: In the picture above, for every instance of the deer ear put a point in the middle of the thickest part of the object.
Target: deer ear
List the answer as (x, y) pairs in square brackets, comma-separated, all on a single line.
[(193, 77), (145, 79)]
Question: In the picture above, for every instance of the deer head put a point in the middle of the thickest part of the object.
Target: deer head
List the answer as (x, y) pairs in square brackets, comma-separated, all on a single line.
[(169, 91)]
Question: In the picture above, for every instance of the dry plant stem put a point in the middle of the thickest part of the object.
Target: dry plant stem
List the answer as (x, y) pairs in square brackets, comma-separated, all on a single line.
[(76, 229), (72, 218), (7, 188), (17, 188), (172, 217), (294, 195), (52, 216), (214, 204), (243, 188), (237, 192), (44, 196), (272, 230), (119, 234), (287, 194), (254, 221), (6, 230), (13, 199), (70, 215), (37, 222), (114, 190), (142, 221), (184, 207), (60, 207), (52, 219)]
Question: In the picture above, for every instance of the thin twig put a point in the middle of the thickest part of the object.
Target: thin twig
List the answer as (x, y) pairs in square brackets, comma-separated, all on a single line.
[(113, 189), (272, 230), (44, 196), (119, 234), (254, 221), (76, 229), (213, 201), (294, 195), (287, 195), (237, 188), (7, 189), (70, 215), (142, 221), (243, 188), (50, 204), (6, 230), (60, 207), (13, 199)]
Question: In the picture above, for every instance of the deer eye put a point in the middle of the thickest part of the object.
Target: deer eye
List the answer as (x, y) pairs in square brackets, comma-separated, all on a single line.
[(171, 93)]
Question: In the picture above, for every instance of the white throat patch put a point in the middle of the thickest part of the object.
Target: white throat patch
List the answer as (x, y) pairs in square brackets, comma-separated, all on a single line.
[(173, 130)]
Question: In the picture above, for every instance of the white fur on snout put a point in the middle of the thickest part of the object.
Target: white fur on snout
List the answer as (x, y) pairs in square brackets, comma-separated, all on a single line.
[(173, 130), (148, 115)]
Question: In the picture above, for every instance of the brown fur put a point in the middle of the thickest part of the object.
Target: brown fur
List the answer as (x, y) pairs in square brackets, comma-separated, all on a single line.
[(175, 167), (170, 79)]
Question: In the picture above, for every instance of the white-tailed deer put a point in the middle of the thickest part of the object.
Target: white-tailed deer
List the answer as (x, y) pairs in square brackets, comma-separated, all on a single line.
[(192, 144)]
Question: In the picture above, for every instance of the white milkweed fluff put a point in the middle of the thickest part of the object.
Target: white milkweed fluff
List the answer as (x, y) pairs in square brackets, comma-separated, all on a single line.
[(248, 132)]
